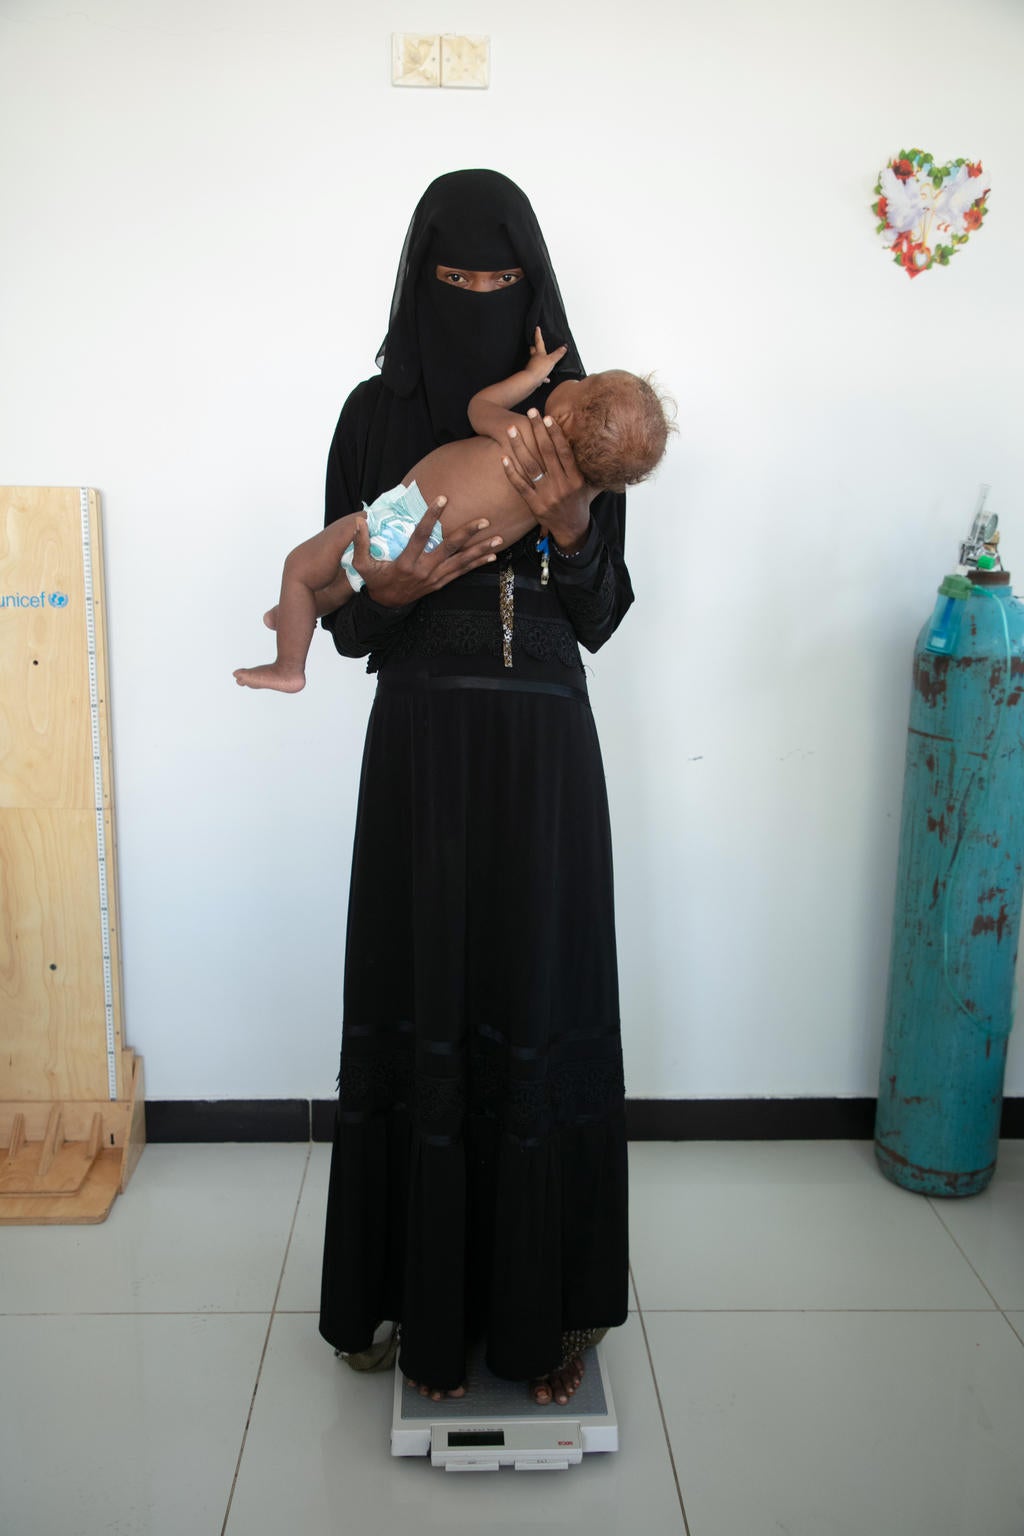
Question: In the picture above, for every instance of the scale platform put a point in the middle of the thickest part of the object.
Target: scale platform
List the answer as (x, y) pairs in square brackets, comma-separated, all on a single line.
[(498, 1425)]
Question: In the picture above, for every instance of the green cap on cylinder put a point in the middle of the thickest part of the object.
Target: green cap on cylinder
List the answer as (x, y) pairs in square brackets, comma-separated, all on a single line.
[(955, 586)]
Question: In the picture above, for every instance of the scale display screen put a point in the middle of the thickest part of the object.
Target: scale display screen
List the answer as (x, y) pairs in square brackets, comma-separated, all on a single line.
[(476, 1437)]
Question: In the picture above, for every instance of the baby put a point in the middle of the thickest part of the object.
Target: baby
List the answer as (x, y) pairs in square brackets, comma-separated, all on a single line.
[(614, 422)]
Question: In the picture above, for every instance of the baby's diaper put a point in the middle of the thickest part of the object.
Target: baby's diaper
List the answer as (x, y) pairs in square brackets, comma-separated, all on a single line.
[(390, 521)]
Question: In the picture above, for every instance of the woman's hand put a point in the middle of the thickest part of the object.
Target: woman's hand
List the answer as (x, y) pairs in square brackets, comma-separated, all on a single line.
[(393, 583), (542, 469)]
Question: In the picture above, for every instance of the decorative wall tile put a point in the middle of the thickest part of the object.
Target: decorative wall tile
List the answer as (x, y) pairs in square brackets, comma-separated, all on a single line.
[(415, 58), (466, 62)]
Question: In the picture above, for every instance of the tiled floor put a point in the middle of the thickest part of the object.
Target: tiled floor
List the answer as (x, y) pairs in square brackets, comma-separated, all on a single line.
[(812, 1353)]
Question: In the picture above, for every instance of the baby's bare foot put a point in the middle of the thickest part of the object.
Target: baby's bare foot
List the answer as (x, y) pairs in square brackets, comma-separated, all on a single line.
[(273, 675), (560, 1385), (270, 617), (435, 1393)]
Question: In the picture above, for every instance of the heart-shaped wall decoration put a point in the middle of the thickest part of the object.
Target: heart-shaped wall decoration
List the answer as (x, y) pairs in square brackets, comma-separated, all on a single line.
[(926, 212)]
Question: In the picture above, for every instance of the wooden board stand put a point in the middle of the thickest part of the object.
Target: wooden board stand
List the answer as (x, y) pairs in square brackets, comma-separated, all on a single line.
[(72, 1103)]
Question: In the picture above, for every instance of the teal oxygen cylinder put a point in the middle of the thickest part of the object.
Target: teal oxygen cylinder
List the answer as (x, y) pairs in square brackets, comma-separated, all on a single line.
[(959, 884)]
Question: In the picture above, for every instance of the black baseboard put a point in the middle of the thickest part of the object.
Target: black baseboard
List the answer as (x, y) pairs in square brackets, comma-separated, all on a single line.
[(646, 1119), (228, 1120)]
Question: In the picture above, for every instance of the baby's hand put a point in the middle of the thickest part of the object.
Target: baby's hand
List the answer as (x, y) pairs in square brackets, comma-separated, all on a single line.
[(541, 361)]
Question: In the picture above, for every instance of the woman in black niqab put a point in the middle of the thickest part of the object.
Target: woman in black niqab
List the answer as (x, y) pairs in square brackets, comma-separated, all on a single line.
[(478, 1178)]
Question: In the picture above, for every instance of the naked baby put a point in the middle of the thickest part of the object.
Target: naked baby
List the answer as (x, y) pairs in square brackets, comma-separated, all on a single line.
[(614, 422)]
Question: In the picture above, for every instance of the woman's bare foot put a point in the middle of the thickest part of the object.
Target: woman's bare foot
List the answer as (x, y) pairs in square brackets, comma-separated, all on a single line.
[(560, 1385), (436, 1394), (270, 617), (273, 675)]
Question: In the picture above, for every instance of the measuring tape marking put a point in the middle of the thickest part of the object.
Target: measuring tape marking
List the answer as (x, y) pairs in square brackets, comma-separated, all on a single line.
[(98, 795)]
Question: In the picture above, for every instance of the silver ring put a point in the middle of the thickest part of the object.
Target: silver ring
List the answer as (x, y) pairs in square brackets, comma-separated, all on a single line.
[(535, 478)]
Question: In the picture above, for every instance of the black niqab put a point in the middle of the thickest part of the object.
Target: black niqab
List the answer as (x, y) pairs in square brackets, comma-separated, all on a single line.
[(446, 344)]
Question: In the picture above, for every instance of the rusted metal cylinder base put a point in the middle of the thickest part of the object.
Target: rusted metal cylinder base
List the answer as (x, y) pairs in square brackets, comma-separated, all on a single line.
[(932, 1181)]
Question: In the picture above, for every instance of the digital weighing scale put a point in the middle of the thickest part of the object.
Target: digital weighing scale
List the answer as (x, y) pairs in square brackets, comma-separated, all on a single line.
[(498, 1425)]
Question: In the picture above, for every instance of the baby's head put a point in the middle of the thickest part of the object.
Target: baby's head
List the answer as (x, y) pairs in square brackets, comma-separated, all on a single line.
[(616, 424)]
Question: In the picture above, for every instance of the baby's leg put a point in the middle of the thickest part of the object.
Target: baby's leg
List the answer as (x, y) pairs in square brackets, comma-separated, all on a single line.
[(310, 569), (335, 595)]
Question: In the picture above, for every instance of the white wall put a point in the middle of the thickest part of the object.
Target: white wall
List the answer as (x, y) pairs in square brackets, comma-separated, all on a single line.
[(203, 203)]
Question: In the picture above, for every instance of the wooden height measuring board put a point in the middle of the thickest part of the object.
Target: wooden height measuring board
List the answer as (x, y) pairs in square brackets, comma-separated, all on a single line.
[(71, 1095)]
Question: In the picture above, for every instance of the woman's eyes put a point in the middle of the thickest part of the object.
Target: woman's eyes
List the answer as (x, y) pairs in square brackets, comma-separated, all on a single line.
[(463, 280)]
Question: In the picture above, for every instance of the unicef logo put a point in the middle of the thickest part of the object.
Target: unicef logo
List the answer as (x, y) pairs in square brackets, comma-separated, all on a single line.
[(34, 600)]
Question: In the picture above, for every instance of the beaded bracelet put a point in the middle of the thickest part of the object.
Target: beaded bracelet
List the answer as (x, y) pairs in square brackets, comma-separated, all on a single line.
[(565, 555)]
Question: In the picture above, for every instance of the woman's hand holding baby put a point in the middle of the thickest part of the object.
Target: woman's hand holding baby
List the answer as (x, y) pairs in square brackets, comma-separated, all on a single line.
[(394, 583), (541, 466)]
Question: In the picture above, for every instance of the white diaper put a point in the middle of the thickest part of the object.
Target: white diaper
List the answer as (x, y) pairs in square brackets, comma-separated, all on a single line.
[(390, 521)]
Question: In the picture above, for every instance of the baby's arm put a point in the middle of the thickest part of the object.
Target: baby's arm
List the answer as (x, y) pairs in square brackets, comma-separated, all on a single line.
[(490, 410)]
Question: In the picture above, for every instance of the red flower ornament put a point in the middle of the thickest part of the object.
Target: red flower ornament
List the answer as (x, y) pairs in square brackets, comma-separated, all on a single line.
[(913, 256)]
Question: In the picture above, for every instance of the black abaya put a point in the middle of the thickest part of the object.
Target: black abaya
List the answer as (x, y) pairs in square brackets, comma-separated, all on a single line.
[(478, 1178)]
